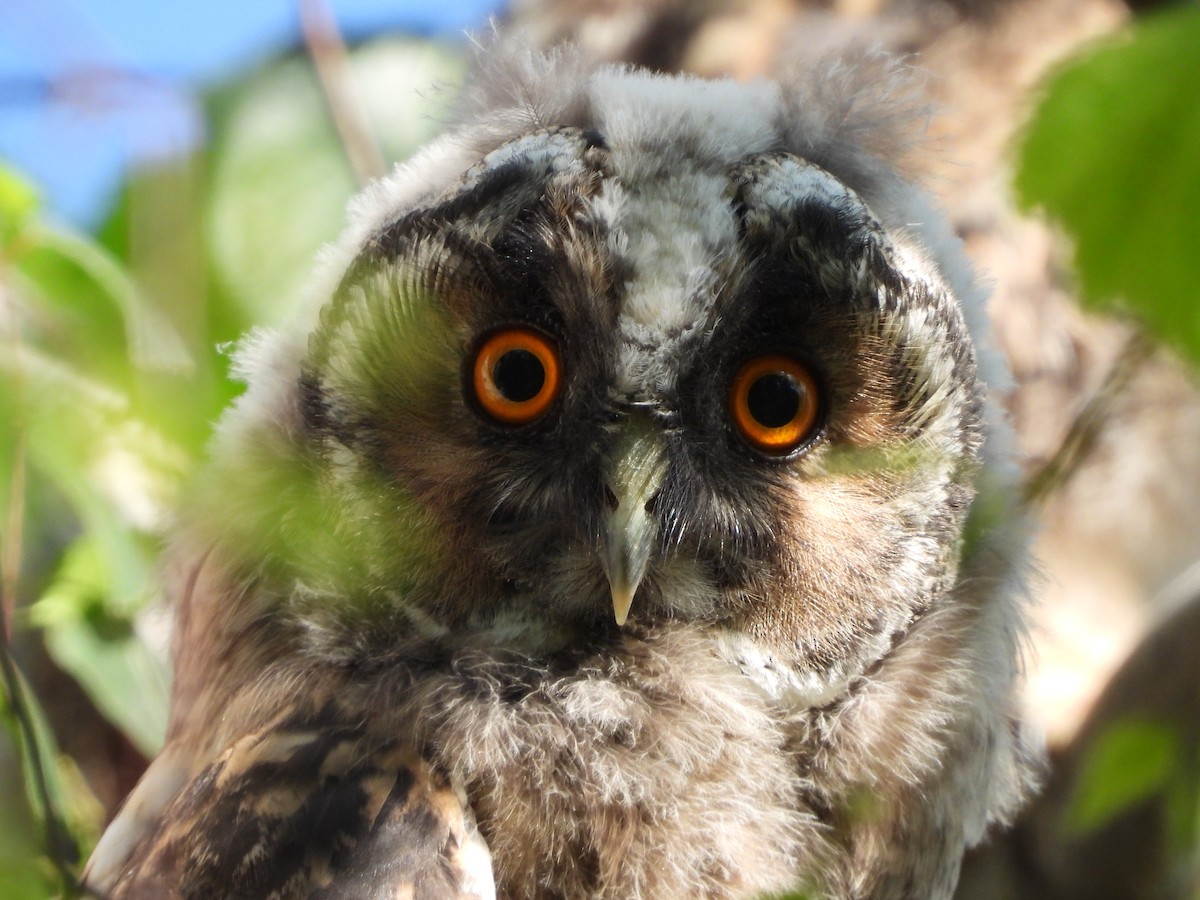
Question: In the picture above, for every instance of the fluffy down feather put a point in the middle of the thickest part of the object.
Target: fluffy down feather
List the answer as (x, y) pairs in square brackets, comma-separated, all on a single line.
[(395, 652)]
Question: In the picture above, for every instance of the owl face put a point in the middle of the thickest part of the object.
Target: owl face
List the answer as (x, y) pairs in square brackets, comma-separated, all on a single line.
[(614, 373)]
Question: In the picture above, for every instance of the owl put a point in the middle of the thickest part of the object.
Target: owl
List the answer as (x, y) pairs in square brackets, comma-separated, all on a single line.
[(627, 517)]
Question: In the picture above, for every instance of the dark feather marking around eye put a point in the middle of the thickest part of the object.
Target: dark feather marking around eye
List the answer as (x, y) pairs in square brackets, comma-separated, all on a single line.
[(840, 224), (515, 188), (322, 419), (314, 405), (491, 188)]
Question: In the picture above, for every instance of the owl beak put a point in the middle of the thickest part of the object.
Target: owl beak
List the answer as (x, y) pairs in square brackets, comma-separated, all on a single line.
[(634, 474)]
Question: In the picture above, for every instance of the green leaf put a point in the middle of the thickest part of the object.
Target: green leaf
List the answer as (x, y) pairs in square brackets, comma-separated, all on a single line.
[(88, 636), (1129, 762), (24, 874), (152, 340), (68, 817), (117, 475), (18, 204), (81, 434), (278, 188), (280, 178), (1113, 153), (83, 307)]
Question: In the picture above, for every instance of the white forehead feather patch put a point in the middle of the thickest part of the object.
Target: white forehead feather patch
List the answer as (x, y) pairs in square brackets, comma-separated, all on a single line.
[(667, 205)]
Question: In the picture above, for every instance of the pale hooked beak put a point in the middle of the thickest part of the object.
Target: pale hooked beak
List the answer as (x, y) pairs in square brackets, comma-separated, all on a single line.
[(634, 473)]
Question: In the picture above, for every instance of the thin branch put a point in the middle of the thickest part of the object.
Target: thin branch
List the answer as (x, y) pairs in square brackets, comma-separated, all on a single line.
[(328, 53), (1080, 440)]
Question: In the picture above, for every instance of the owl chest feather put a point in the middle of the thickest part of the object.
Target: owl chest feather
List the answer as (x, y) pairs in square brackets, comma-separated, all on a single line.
[(659, 767), (657, 770)]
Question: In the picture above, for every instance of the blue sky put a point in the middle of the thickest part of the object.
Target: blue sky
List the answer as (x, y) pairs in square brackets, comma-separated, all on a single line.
[(86, 86)]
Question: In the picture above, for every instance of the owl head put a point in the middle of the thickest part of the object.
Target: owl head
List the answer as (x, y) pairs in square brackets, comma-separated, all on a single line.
[(619, 349)]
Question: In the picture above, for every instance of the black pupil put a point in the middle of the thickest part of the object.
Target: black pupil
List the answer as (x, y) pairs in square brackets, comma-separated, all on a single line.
[(774, 399), (519, 375)]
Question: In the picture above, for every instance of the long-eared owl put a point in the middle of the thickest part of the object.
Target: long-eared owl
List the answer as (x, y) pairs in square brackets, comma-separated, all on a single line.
[(627, 518)]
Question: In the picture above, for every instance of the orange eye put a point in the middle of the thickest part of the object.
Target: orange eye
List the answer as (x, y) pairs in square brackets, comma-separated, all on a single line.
[(516, 375), (774, 402)]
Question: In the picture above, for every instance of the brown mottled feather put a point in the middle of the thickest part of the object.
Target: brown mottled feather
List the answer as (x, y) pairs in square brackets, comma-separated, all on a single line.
[(312, 806)]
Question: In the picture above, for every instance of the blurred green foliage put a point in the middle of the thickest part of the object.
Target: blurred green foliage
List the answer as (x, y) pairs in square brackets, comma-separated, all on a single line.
[(1113, 154), (114, 366), (1130, 762), (64, 407)]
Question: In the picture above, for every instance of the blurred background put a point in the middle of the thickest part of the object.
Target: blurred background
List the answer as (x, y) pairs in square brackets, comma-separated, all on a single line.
[(167, 174)]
